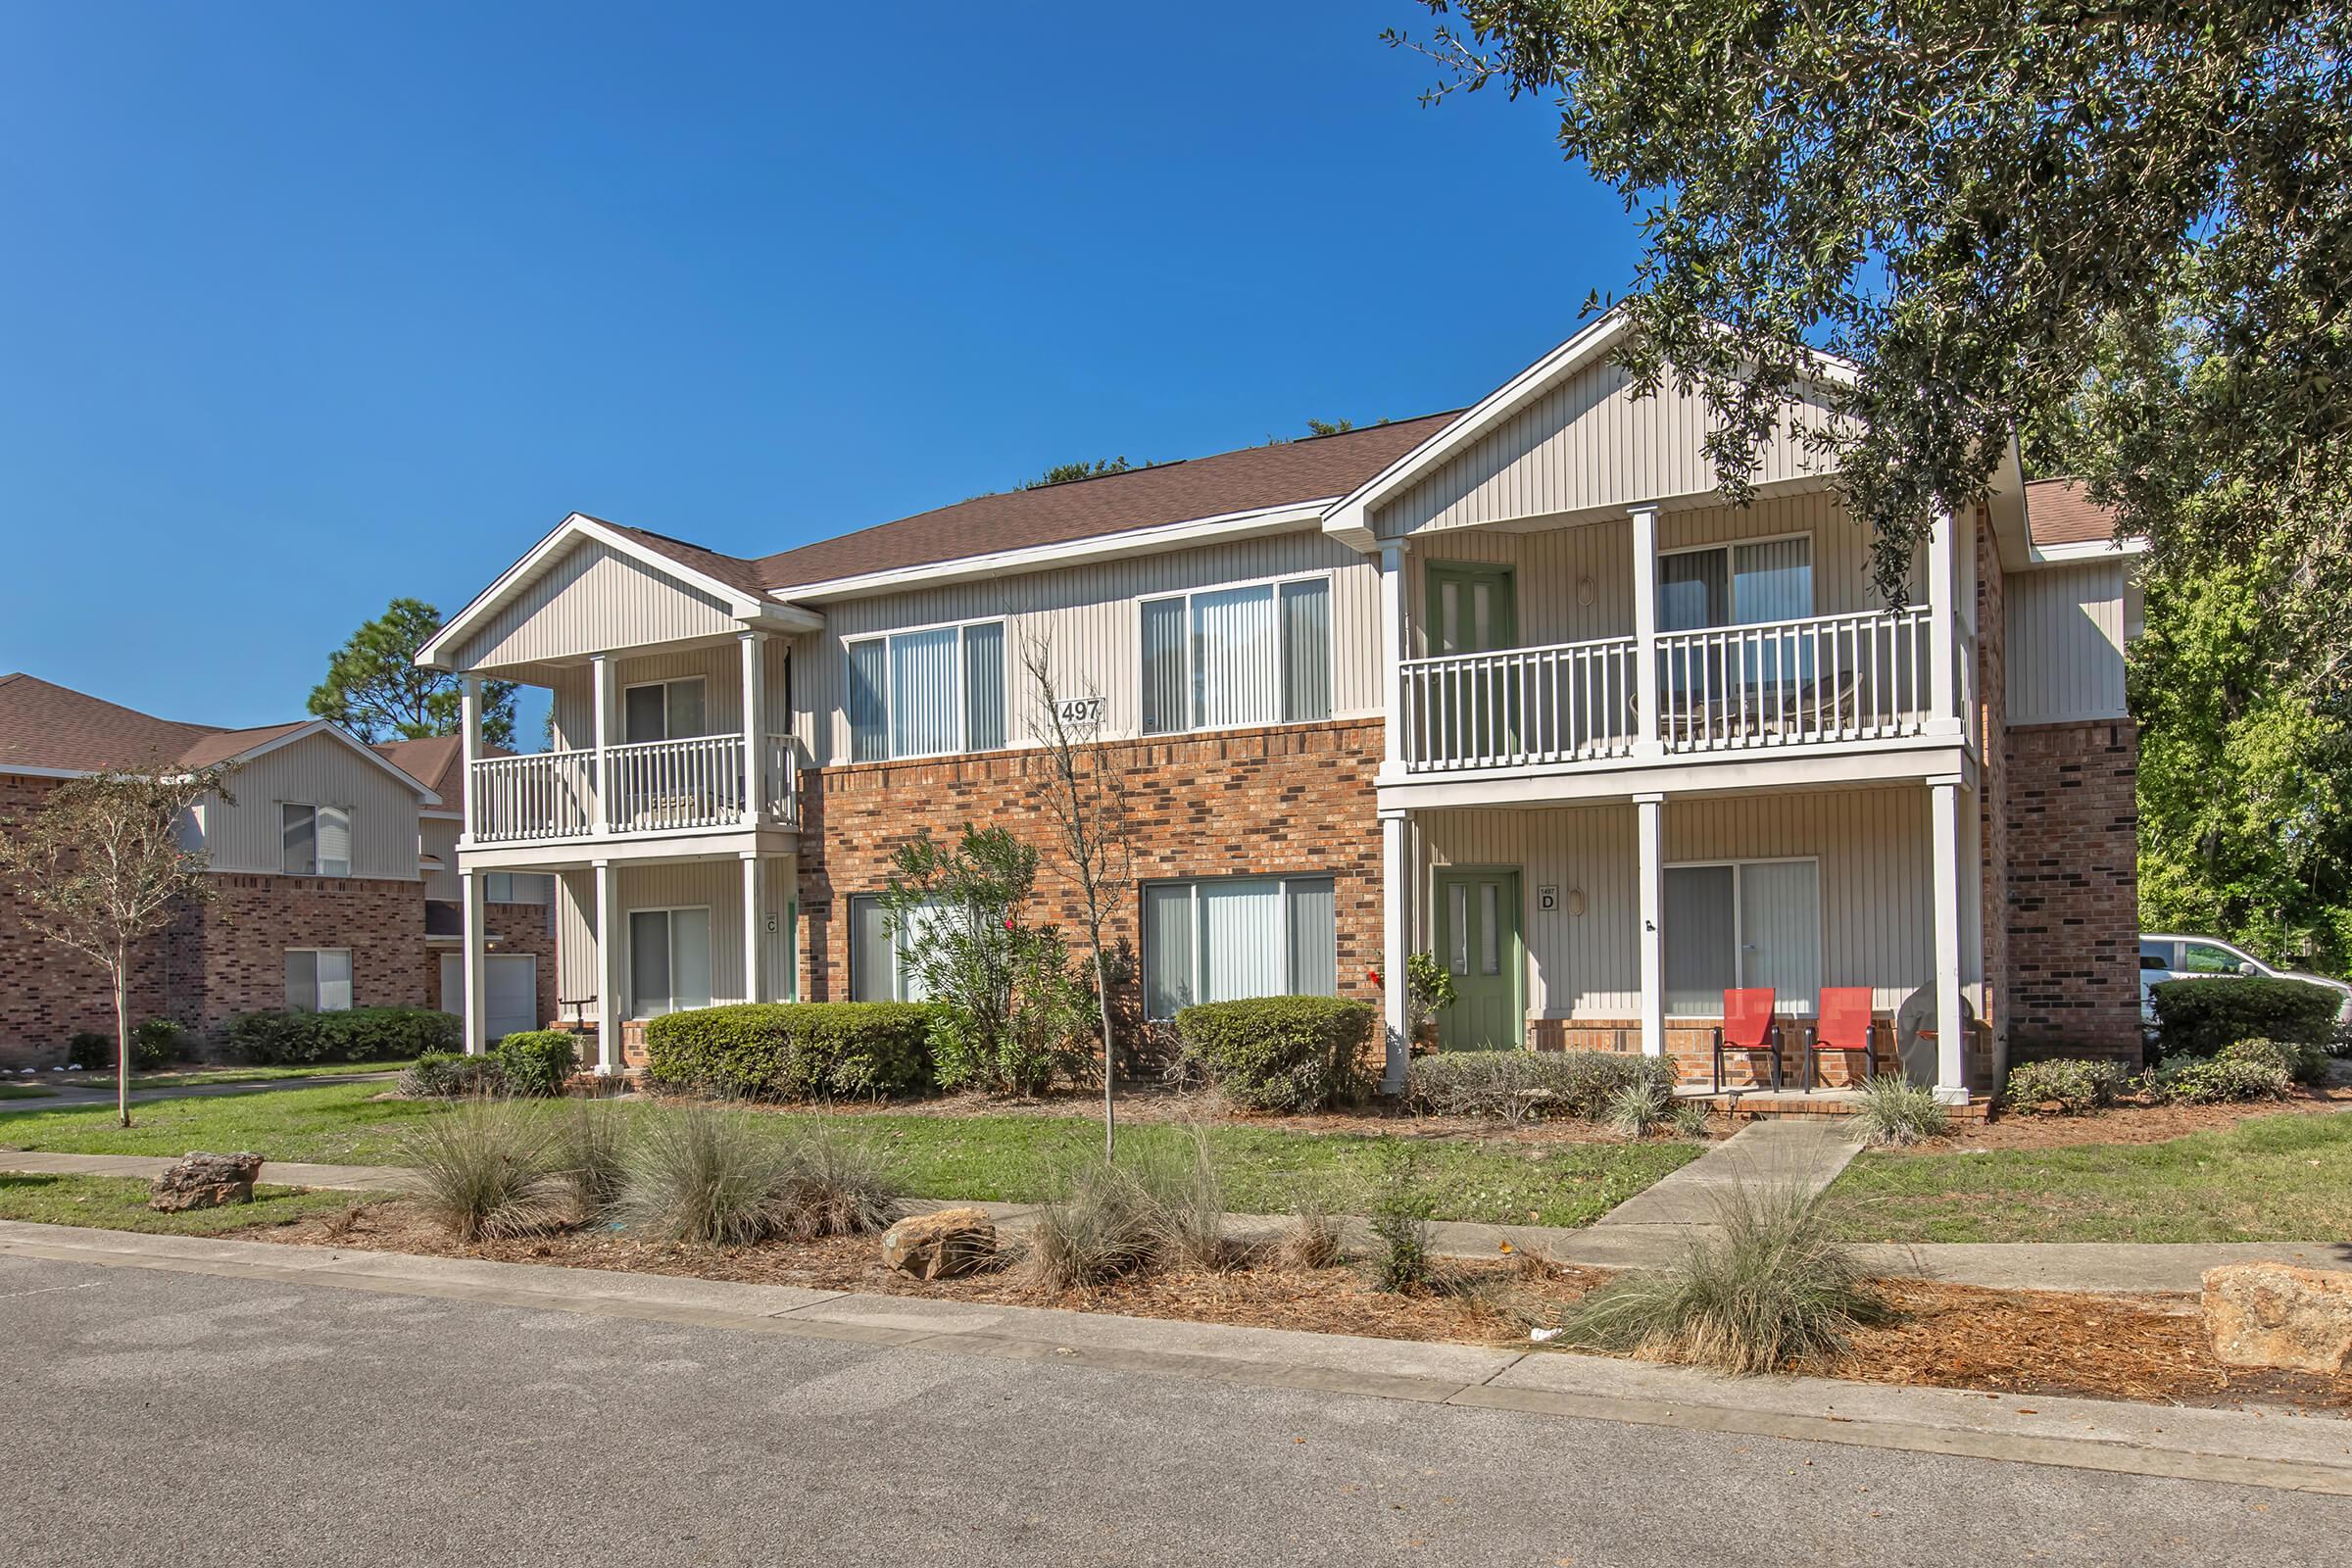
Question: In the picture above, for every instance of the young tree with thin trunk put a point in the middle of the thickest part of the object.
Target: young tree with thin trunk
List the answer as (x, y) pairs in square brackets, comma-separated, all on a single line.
[(1087, 798), (100, 867)]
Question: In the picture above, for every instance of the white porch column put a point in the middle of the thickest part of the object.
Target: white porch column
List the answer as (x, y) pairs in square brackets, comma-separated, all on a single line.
[(600, 816), (1646, 634), (608, 939), (1394, 649), (1396, 943), (474, 971), (754, 979), (1942, 606), (1952, 1075), (469, 744), (1650, 814), (755, 722)]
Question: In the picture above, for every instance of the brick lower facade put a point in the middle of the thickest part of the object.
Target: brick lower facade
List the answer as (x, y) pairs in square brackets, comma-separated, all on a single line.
[(1296, 799), (520, 928), (2074, 890)]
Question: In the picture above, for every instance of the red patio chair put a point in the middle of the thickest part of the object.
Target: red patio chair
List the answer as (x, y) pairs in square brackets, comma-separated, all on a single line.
[(1844, 1027), (1749, 1025)]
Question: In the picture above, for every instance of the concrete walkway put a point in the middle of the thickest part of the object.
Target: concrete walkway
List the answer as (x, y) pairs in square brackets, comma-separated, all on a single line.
[(2243, 1446), (1803, 1154), (2113, 1267)]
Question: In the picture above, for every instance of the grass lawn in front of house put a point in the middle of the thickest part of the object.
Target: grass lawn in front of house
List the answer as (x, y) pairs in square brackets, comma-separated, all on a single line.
[(334, 1124), (117, 1205), (1011, 1158), (26, 1091), (2269, 1179), (173, 1078)]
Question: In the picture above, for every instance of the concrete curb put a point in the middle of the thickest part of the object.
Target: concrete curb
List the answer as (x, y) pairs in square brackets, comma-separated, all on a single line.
[(2278, 1451)]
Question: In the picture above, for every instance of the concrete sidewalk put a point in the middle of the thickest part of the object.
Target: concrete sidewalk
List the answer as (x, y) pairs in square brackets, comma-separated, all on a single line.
[(1803, 1154), (2247, 1448), (2111, 1268)]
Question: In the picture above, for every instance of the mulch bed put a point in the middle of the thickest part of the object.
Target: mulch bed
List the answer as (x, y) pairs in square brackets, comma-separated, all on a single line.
[(2127, 1124), (2149, 1348)]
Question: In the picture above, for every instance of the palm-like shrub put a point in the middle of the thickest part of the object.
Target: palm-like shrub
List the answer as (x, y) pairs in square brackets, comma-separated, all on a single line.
[(1768, 1289), (1639, 1108), (485, 1169)]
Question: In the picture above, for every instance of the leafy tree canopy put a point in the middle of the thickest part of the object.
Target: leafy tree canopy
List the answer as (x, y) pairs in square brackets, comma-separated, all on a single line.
[(1065, 472), (1972, 201), (376, 689)]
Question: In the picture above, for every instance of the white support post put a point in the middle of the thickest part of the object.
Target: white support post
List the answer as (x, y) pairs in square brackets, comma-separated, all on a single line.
[(752, 949), (469, 745), (1394, 649), (1942, 606), (473, 970), (1395, 944), (1649, 812), (1645, 635), (600, 820), (609, 941), (1951, 1056), (754, 722)]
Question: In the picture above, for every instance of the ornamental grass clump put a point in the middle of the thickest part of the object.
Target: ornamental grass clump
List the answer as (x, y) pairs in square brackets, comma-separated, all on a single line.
[(1159, 1207), (591, 1149), (485, 1169), (1639, 1108), (837, 1186), (1893, 1110), (1769, 1290), (708, 1177)]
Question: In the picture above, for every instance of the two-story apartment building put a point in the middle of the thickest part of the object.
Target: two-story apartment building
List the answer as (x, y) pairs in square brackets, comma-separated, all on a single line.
[(1511, 685)]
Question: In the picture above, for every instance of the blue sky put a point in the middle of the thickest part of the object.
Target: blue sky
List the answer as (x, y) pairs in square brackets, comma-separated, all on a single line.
[(305, 307)]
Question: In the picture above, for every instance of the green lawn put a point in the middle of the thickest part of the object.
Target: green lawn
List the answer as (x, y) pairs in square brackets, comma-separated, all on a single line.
[(1011, 1159), (24, 1092), (238, 1075), (338, 1124), (2269, 1179), (122, 1205)]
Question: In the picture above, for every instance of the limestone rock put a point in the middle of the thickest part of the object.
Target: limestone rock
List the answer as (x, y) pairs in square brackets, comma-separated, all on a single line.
[(206, 1180), (2278, 1315), (940, 1245)]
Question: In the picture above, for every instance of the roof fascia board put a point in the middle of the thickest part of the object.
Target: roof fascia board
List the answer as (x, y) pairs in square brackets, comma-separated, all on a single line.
[(2082, 550), (1289, 518)]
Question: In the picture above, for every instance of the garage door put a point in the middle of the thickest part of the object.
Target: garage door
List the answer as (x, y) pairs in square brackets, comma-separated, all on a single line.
[(511, 987)]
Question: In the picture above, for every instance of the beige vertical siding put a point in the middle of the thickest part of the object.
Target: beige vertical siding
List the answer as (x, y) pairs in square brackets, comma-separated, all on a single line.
[(1586, 444), (1552, 566), (720, 665), (316, 770), (717, 884), (592, 599), (1088, 616), (1877, 884), (440, 840), (2066, 643)]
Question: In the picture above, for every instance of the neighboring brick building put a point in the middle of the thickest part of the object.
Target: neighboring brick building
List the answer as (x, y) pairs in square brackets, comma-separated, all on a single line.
[(318, 890)]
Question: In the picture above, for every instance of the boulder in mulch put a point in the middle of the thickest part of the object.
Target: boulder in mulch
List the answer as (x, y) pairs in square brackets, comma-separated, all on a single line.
[(2278, 1315), (941, 1244), (206, 1180)]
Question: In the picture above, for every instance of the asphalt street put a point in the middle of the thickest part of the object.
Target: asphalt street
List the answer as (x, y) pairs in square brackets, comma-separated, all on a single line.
[(157, 1417)]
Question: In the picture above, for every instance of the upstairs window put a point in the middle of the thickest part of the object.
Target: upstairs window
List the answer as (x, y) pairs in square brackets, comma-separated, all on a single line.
[(1225, 657), (927, 693), (663, 711), (1735, 585), (318, 841)]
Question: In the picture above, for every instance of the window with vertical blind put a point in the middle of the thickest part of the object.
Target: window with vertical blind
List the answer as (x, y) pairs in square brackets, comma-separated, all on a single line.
[(1735, 585), (670, 960), (1225, 657), (318, 979), (1229, 938), (928, 692), (664, 710), (882, 961), (318, 841), (1738, 924)]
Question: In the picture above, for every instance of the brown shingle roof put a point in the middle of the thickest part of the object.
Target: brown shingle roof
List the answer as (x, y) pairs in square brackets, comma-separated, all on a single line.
[(46, 725), (2060, 512), (438, 763), (1311, 469)]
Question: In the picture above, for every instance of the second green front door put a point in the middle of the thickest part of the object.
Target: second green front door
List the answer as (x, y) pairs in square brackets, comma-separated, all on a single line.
[(1478, 942)]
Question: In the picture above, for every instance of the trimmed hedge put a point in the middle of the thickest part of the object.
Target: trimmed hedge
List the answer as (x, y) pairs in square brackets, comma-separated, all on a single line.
[(2304, 1064), (446, 1075), (359, 1034), (1515, 1084), (2198, 1017), (1279, 1052), (537, 1062), (795, 1050)]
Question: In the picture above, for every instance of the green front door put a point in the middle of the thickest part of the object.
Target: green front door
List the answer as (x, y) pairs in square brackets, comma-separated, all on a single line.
[(1478, 941), (1473, 712)]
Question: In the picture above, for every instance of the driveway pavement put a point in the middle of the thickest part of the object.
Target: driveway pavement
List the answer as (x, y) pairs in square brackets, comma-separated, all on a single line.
[(182, 1417)]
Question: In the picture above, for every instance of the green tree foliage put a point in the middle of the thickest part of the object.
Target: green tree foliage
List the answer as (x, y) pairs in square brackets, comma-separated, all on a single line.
[(1065, 472), (376, 689), (1967, 198)]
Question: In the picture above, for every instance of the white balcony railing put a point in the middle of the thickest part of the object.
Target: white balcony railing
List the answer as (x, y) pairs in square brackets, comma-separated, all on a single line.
[(1520, 705), (1849, 677), (1828, 678), (656, 786)]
